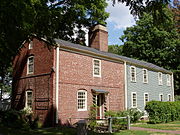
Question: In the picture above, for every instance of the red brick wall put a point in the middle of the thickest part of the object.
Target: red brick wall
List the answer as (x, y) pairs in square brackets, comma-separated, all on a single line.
[(41, 83), (76, 72)]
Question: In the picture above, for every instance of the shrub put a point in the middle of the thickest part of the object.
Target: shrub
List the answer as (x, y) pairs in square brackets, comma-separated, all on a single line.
[(92, 117), (19, 119), (163, 112)]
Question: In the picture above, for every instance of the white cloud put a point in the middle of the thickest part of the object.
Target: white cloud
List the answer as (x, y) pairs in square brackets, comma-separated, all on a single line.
[(119, 15)]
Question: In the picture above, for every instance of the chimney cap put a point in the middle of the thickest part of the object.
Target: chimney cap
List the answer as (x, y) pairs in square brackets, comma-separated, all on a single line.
[(99, 27)]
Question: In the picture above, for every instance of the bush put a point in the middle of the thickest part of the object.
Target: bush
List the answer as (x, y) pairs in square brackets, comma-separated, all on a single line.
[(134, 114), (18, 119), (163, 112)]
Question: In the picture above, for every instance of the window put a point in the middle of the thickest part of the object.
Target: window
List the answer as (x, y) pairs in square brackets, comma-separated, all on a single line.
[(31, 44), (169, 97), (145, 76), (146, 98), (82, 100), (96, 68), (134, 100), (160, 97), (29, 99), (133, 73), (30, 65), (168, 80), (160, 78)]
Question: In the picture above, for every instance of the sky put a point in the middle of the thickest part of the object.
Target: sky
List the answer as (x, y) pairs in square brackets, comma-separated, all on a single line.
[(118, 20)]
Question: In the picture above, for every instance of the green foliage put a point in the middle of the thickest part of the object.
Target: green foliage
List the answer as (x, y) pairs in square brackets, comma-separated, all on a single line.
[(134, 114), (163, 112), (92, 117), (155, 43), (117, 49), (18, 119), (177, 98), (47, 19)]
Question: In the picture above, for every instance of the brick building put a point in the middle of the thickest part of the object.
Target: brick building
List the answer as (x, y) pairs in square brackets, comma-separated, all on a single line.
[(62, 82)]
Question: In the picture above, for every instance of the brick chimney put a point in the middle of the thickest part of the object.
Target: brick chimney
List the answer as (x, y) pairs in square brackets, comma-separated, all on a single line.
[(98, 38)]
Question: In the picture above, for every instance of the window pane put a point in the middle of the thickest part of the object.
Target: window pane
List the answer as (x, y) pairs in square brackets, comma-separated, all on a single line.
[(81, 101)]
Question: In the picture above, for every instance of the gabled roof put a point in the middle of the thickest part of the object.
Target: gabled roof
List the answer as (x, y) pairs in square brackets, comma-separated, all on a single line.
[(132, 61)]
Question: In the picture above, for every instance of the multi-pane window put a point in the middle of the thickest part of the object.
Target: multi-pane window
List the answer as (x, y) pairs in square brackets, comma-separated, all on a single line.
[(96, 68), (146, 98), (82, 100), (133, 73), (30, 65), (134, 100), (160, 78), (169, 97), (29, 99), (160, 97), (145, 76), (31, 44), (168, 80)]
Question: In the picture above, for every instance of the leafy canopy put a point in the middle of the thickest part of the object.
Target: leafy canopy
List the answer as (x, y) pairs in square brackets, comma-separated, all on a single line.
[(155, 43), (46, 18)]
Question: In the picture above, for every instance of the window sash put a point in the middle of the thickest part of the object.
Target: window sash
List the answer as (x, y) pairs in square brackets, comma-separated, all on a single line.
[(82, 100), (29, 99), (31, 44), (145, 76), (134, 100), (133, 74), (168, 80), (30, 65), (96, 68), (146, 98), (160, 78)]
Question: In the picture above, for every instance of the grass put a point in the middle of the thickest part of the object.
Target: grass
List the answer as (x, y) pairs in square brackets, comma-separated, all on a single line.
[(68, 131), (165, 126), (72, 131)]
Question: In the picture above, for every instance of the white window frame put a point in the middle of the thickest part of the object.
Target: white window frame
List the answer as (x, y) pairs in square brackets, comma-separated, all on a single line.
[(133, 80), (26, 101), (160, 81), (99, 67), (85, 102), (168, 77), (160, 97), (169, 97), (28, 72), (145, 81), (30, 44), (145, 98), (132, 105)]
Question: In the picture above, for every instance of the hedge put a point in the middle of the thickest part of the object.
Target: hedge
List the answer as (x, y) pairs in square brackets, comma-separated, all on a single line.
[(163, 112)]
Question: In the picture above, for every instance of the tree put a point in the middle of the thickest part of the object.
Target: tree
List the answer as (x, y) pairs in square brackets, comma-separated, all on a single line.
[(46, 18), (155, 43), (117, 49), (175, 7)]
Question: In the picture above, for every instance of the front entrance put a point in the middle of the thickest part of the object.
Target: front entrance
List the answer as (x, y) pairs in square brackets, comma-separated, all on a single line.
[(100, 106), (100, 101)]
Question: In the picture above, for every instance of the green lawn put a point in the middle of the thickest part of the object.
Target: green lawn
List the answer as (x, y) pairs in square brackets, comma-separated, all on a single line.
[(68, 131), (165, 126), (72, 131)]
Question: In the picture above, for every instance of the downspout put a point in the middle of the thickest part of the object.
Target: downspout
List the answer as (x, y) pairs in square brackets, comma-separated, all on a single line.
[(125, 86), (172, 86), (57, 83)]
